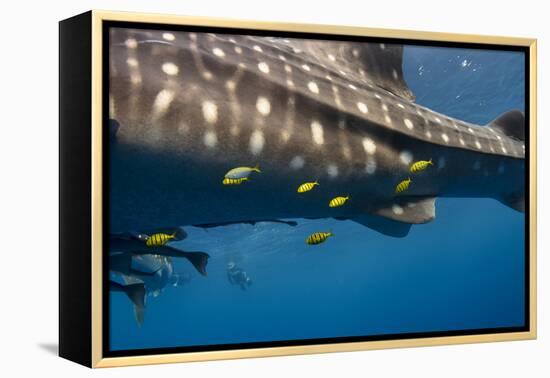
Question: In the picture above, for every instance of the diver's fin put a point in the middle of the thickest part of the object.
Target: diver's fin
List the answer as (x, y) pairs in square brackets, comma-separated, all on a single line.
[(384, 225), (136, 293), (516, 202), (410, 210), (511, 123), (198, 259)]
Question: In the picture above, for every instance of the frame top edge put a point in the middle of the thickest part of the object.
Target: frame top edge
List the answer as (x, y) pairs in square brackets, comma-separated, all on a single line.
[(353, 30)]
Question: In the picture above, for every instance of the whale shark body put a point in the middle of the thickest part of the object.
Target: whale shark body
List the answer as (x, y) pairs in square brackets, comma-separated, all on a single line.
[(186, 107)]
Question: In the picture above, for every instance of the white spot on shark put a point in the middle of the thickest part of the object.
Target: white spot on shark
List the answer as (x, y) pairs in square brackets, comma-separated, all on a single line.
[(387, 119), (238, 49), (406, 157), (297, 162), (394, 74), (331, 57), (257, 142), (362, 107), (371, 166), (382, 46), (312, 86), (478, 145), (306, 67), (257, 48), (408, 123), (162, 101), (210, 139), (317, 133), (288, 68), (131, 43), (445, 138), (369, 146), (230, 85), (428, 134), (135, 78), (170, 68), (282, 57), (132, 62), (210, 111), (385, 107), (263, 106), (397, 210), (262, 66), (332, 170), (218, 52), (290, 83), (207, 75), (168, 36), (401, 106), (352, 87), (462, 141)]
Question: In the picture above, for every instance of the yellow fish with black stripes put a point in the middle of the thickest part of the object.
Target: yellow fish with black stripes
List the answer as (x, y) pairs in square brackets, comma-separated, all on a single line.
[(158, 240), (230, 181), (403, 186), (338, 201), (318, 237), (242, 172), (307, 186), (420, 165)]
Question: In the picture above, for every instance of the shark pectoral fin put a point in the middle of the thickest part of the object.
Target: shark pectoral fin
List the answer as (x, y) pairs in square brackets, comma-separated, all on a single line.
[(511, 123), (136, 293), (410, 210), (384, 226), (516, 202)]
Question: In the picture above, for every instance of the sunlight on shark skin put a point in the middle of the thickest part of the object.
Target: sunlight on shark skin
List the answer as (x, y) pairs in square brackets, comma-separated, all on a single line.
[(337, 111)]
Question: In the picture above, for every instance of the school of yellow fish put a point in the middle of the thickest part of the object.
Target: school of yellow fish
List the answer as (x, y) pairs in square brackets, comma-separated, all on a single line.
[(237, 176)]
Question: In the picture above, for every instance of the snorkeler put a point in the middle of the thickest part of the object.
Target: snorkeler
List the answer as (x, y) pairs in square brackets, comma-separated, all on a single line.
[(237, 276)]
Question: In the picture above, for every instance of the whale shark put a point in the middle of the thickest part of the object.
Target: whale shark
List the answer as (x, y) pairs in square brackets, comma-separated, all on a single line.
[(185, 107)]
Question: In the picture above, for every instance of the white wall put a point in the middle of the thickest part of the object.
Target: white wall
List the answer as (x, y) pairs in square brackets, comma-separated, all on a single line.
[(28, 207)]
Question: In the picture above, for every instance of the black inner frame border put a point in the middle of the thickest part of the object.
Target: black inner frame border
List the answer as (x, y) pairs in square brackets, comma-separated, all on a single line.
[(107, 352)]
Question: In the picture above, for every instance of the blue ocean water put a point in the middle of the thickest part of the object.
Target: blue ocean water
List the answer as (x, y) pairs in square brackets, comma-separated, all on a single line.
[(464, 270)]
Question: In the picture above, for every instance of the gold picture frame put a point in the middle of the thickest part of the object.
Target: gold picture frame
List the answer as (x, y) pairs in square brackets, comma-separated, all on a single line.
[(92, 355)]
